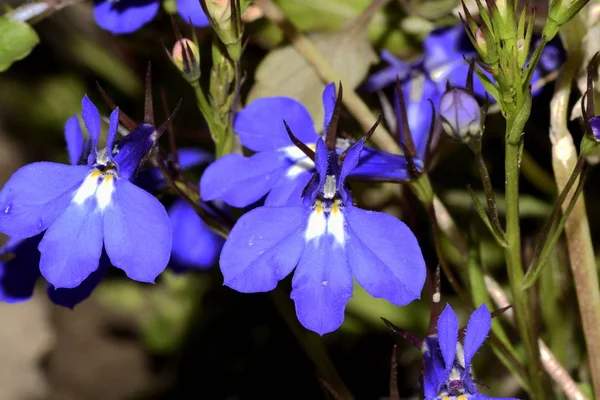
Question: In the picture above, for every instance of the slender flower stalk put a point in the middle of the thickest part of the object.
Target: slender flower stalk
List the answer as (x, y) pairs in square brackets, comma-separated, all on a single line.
[(581, 252)]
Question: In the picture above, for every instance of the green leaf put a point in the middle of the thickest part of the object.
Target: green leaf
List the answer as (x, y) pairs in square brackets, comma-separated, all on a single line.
[(284, 72), (17, 39)]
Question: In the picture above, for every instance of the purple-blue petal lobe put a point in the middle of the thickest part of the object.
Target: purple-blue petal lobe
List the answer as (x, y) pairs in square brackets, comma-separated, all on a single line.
[(477, 330), (113, 127), (288, 190), (260, 124), (19, 274), (137, 232), (595, 126), (195, 245), (69, 298), (322, 285), (378, 165), (447, 327), (74, 139), (192, 10), (132, 149), (241, 181), (351, 161), (91, 119), (328, 104), (121, 17), (384, 256), (263, 247), (36, 195), (434, 372), (192, 157), (71, 247)]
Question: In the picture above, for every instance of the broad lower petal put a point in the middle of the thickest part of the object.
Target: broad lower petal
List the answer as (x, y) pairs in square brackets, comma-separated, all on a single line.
[(384, 256), (322, 285), (36, 195), (121, 17), (71, 247), (74, 139), (241, 181), (263, 247), (447, 327), (478, 328), (288, 190), (260, 124), (192, 10), (195, 245), (137, 232), (19, 274), (71, 297)]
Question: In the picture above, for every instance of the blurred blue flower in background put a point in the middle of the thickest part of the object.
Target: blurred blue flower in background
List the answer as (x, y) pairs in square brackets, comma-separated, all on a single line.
[(279, 169), (85, 208), (127, 16), (328, 241)]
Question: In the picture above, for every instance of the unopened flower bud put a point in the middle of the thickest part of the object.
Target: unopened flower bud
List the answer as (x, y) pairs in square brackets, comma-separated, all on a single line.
[(186, 57), (460, 115), (561, 12), (480, 40), (251, 14)]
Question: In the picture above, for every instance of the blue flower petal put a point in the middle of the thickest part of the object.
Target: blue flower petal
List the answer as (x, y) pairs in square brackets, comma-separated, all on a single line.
[(113, 127), (191, 157), (74, 139), (444, 45), (195, 245), (322, 285), (36, 195), (191, 10), (19, 274), (479, 396), (595, 126), (478, 328), (434, 372), (263, 247), (137, 232), (133, 148), (288, 190), (378, 165), (71, 247), (120, 17), (71, 297), (384, 256), (447, 328), (241, 181), (328, 104), (91, 119), (260, 124), (351, 161), (388, 75)]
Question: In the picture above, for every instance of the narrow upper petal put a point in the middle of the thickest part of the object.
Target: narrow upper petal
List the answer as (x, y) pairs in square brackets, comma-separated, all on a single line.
[(192, 10), (447, 327), (478, 328), (74, 139), (241, 181), (19, 274), (263, 247), (137, 232), (120, 17), (328, 104), (71, 248), (35, 196), (133, 148), (433, 376), (71, 297), (322, 285), (113, 127), (91, 119), (260, 124), (378, 165), (384, 256), (195, 245)]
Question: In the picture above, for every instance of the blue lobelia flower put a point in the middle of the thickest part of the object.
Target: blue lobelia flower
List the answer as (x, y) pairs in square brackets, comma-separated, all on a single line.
[(443, 60), (279, 169), (327, 240), (85, 208), (447, 362), (127, 16)]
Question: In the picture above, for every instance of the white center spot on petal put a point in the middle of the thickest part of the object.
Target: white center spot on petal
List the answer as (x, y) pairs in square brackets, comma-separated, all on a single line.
[(87, 188), (317, 224), (335, 225), (105, 191)]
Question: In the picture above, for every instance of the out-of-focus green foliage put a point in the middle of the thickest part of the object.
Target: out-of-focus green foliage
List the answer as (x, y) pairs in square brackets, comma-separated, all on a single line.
[(17, 39)]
